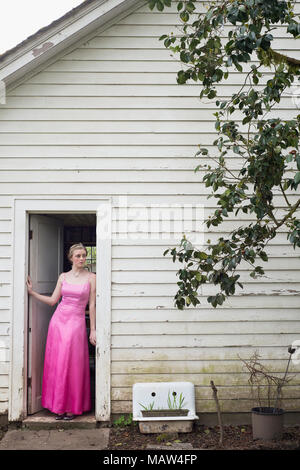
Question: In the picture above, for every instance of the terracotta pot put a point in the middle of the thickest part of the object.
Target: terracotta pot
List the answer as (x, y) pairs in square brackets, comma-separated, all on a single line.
[(162, 413), (267, 423)]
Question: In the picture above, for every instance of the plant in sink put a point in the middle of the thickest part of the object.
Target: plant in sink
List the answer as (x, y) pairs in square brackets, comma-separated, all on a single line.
[(175, 407)]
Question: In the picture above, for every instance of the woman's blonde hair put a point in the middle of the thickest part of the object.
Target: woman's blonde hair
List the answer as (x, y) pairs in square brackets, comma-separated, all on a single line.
[(77, 246)]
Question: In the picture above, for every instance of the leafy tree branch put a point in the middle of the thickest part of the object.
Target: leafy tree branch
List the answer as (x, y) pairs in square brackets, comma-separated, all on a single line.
[(230, 35)]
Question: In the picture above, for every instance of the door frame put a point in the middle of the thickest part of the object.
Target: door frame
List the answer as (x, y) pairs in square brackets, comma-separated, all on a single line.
[(22, 207)]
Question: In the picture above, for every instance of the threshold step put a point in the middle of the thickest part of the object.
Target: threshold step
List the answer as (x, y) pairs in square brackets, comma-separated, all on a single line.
[(46, 420)]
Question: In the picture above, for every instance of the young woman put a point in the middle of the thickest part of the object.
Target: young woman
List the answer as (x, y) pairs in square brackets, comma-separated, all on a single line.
[(66, 377)]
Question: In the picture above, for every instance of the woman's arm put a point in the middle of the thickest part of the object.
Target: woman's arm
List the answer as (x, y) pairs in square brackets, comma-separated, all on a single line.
[(50, 300), (92, 310)]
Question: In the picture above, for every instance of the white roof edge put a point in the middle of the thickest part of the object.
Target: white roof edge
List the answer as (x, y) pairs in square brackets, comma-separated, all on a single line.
[(46, 45)]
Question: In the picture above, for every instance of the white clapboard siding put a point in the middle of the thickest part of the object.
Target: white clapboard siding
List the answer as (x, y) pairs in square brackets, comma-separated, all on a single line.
[(165, 277), (269, 355), (249, 288), (248, 301), (132, 102), (201, 328), (277, 253), (238, 398), (100, 115), (5, 316), (104, 90), (149, 78), (110, 119), (106, 42), (4, 380), (204, 393), (75, 163), (86, 127), (3, 400), (205, 315), (5, 298)]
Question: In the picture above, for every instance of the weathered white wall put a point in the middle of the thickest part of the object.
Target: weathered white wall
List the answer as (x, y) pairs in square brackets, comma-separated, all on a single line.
[(110, 119), (5, 300)]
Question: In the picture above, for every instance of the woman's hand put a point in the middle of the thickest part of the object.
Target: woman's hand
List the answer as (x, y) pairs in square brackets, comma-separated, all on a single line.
[(49, 300), (29, 285), (93, 337)]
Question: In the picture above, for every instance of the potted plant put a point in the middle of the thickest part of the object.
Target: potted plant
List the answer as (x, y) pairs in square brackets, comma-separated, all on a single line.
[(267, 416), (175, 407)]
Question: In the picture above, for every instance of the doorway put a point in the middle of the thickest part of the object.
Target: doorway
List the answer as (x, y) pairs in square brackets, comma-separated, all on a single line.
[(50, 237), (23, 207)]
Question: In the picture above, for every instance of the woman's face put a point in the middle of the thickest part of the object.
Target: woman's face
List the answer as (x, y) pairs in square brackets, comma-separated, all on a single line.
[(79, 258)]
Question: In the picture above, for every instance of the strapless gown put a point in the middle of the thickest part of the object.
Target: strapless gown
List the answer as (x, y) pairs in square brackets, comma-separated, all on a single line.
[(66, 375)]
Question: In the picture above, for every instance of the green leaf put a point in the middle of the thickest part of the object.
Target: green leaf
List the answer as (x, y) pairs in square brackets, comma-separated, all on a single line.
[(294, 29), (209, 14), (246, 119), (238, 66), (159, 5), (263, 256), (297, 177), (184, 16), (185, 56), (182, 77), (152, 4), (190, 7)]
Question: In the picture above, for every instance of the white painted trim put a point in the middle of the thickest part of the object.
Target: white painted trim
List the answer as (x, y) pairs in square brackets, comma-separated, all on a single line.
[(62, 36), (103, 323), (22, 206)]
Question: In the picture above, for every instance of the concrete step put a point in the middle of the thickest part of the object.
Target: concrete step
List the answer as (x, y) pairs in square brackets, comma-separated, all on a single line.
[(46, 420)]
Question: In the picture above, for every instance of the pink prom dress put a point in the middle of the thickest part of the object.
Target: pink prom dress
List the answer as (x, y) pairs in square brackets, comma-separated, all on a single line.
[(66, 376)]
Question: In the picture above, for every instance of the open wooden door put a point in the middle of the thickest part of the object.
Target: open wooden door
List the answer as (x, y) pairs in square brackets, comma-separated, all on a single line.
[(45, 265)]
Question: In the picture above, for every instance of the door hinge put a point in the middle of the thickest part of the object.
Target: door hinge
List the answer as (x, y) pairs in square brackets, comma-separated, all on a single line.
[(29, 382), (30, 234)]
